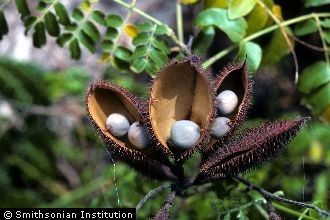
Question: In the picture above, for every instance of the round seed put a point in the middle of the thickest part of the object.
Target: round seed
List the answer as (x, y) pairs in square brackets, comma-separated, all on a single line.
[(220, 127), (138, 135), (185, 133), (117, 124), (226, 102)]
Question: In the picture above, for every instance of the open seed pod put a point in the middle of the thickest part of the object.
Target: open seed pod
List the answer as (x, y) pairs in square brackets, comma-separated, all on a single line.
[(234, 78), (180, 91), (104, 99)]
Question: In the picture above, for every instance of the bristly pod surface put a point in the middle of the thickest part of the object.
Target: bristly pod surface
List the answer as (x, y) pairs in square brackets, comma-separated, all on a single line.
[(105, 99), (233, 89), (251, 149), (180, 91)]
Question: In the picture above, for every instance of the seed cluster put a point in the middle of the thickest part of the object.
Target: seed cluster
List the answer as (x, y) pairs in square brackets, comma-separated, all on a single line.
[(118, 125)]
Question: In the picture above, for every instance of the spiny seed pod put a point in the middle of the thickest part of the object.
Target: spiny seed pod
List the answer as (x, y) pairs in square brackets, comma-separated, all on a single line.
[(117, 125), (104, 99), (185, 134), (138, 135), (220, 127), (226, 102), (234, 78), (180, 91), (252, 148)]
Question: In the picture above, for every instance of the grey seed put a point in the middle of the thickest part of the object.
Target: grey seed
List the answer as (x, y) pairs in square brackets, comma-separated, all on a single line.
[(138, 135), (117, 125), (226, 102), (220, 127), (184, 134)]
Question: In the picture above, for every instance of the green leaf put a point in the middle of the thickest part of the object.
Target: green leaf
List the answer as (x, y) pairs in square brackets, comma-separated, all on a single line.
[(315, 3), (87, 41), (111, 34), (99, 17), (141, 38), (107, 45), (145, 27), (240, 8), (41, 6), (63, 39), (325, 23), (158, 58), (314, 76), (123, 53), (256, 20), (319, 100), (62, 13), (51, 24), (276, 49), (29, 21), (114, 21), (22, 8), (161, 29), (74, 49), (90, 29), (161, 45), (253, 54), (327, 36), (140, 51), (203, 40), (3, 25), (215, 3), (39, 35), (306, 27), (77, 14), (235, 29), (139, 65)]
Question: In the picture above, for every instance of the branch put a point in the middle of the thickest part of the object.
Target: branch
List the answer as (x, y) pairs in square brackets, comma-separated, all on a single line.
[(164, 212), (270, 196), (152, 193)]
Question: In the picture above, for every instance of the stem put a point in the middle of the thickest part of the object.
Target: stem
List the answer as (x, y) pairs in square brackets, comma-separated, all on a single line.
[(170, 32), (292, 212), (322, 40), (152, 193), (41, 17), (258, 34), (218, 56), (179, 22), (271, 196), (286, 37), (164, 212)]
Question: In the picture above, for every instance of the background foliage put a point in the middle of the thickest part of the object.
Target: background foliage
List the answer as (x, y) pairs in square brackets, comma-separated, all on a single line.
[(50, 156)]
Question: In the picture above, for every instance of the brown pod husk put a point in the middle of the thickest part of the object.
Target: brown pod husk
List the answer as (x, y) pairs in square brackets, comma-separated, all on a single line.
[(180, 91), (103, 99), (234, 77), (251, 149)]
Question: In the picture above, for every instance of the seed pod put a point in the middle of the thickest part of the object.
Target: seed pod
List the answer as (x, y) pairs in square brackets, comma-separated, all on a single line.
[(253, 148), (104, 99), (180, 91), (234, 78)]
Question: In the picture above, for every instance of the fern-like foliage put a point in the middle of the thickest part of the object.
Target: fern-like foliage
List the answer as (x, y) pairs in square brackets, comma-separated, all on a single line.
[(94, 30)]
